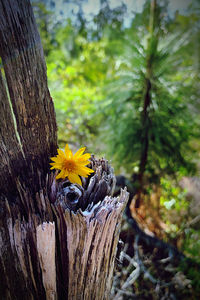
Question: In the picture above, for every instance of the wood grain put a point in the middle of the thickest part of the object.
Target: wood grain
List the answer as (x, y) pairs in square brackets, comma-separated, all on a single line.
[(25, 72)]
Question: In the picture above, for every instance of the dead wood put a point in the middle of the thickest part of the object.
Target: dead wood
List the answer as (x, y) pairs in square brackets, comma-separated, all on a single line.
[(57, 240)]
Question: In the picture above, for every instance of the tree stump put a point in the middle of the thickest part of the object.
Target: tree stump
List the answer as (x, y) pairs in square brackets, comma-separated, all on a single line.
[(57, 240)]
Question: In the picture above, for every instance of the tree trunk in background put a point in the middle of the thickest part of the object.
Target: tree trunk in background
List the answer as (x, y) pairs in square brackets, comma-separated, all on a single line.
[(145, 118), (50, 246)]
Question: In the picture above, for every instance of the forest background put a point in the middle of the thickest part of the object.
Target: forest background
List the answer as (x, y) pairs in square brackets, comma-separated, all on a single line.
[(125, 83)]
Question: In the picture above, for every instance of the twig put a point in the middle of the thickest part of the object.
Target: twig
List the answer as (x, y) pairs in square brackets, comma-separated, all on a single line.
[(139, 261)]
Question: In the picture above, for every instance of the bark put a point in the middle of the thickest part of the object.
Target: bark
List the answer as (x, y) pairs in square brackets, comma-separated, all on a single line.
[(57, 240), (28, 102), (67, 250), (88, 237)]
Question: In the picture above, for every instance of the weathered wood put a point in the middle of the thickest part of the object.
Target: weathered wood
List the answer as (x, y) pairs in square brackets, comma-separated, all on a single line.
[(27, 139), (91, 241), (46, 249), (10, 150), (88, 236), (80, 243), (25, 72), (57, 240)]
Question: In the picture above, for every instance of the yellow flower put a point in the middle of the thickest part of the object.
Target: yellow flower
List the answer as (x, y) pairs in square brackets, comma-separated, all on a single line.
[(71, 166)]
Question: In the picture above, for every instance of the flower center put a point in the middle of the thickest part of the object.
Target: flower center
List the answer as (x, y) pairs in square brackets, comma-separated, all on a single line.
[(69, 165)]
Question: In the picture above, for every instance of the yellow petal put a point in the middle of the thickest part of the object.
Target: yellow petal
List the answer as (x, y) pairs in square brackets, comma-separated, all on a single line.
[(61, 175), (79, 152), (61, 153), (67, 150), (57, 166), (55, 162), (83, 163), (53, 165), (66, 173), (81, 172), (84, 171), (70, 154), (57, 159), (54, 158), (74, 178), (85, 156)]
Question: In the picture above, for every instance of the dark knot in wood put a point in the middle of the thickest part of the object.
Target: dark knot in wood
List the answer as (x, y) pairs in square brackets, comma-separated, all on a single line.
[(69, 195)]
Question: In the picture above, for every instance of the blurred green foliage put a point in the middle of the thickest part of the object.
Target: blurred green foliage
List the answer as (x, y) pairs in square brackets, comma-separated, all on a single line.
[(98, 72), (171, 125), (76, 70), (97, 79)]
